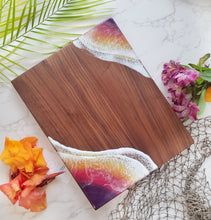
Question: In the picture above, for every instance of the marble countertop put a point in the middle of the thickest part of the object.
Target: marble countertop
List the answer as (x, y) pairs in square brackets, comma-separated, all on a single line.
[(176, 29)]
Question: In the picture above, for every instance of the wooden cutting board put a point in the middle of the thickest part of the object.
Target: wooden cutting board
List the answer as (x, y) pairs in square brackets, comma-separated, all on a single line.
[(91, 104)]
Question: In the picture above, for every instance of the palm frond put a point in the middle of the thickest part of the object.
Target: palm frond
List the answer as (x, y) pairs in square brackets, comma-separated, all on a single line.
[(31, 30)]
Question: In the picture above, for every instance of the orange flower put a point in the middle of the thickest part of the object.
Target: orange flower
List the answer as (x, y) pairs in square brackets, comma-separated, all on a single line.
[(208, 95), (28, 173), (13, 188), (22, 155), (34, 200), (29, 140), (30, 192), (38, 158)]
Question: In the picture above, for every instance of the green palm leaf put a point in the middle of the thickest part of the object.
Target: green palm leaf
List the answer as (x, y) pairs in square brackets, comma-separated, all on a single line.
[(31, 30)]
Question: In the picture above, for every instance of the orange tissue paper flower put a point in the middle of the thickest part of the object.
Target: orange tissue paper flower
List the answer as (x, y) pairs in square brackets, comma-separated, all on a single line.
[(21, 155), (28, 174), (34, 200), (13, 188), (29, 140), (208, 95)]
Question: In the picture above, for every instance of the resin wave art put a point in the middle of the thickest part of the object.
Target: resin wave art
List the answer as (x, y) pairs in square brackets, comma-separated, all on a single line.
[(107, 42), (104, 174)]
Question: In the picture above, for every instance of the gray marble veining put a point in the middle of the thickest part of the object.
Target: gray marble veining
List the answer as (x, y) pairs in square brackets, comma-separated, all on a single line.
[(158, 31)]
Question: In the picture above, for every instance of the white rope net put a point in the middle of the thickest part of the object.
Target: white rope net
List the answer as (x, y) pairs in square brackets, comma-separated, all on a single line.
[(177, 190)]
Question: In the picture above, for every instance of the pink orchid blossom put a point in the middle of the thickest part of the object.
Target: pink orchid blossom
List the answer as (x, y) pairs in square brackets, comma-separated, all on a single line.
[(183, 106), (176, 79), (178, 74), (186, 78)]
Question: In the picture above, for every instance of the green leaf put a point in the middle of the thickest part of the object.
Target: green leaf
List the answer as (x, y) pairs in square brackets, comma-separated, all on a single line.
[(207, 78), (207, 72), (199, 68), (7, 22), (201, 102), (206, 75), (33, 29), (194, 66), (199, 81), (203, 59)]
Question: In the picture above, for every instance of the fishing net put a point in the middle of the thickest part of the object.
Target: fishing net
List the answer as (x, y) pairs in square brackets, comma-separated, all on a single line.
[(177, 190)]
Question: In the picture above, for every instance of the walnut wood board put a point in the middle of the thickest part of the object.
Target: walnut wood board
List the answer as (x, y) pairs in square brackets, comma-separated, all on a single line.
[(91, 104)]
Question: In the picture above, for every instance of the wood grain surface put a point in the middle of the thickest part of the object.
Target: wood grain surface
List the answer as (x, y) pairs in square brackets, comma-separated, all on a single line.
[(91, 104)]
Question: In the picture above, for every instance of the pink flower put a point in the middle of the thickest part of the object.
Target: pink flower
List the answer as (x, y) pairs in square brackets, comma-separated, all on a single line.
[(186, 78), (183, 106), (176, 79), (193, 110), (170, 70), (174, 72)]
